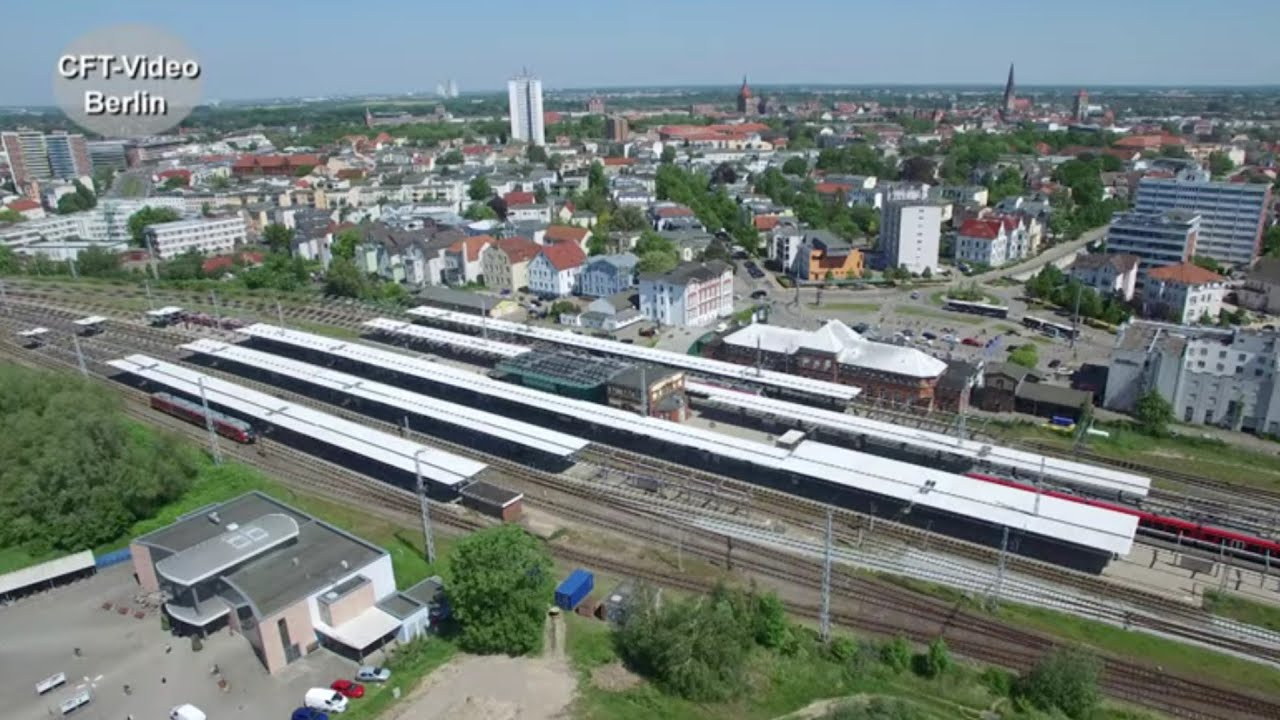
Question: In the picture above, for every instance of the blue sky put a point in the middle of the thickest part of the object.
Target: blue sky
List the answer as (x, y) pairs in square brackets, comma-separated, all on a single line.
[(269, 48)]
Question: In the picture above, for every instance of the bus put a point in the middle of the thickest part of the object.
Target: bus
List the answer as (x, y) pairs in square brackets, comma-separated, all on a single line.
[(1050, 328), (977, 308)]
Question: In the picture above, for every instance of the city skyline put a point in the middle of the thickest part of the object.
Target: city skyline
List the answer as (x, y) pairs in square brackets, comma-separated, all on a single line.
[(567, 50)]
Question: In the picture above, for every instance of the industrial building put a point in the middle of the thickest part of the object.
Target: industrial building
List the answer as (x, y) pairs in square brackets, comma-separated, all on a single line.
[(641, 388), (284, 580)]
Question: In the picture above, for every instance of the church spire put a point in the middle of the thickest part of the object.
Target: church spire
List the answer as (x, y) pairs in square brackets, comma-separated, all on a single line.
[(1009, 95)]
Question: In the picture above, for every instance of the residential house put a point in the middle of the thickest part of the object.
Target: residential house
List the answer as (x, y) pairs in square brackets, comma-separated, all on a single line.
[(29, 209), (567, 233), (610, 314), (524, 207), (992, 241), (962, 194), (690, 295), (1109, 274), (506, 263), (1261, 289), (554, 271), (409, 256), (1185, 293), (605, 275), (462, 260)]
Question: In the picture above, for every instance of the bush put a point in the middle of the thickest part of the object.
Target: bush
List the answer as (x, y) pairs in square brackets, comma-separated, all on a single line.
[(896, 654), (842, 649), (934, 661), (877, 708), (999, 682), (1066, 680), (502, 584)]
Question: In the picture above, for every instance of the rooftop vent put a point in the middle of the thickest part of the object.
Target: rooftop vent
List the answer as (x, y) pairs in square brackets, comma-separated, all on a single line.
[(214, 518)]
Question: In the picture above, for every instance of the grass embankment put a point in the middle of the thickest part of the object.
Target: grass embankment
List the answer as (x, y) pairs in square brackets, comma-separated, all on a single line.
[(1183, 453), (1242, 609), (781, 684), (1173, 656)]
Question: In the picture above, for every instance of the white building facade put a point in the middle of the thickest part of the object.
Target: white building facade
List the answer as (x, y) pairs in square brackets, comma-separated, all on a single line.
[(690, 295), (1157, 239), (910, 234), (1233, 215), (1184, 293), (524, 99), (211, 237)]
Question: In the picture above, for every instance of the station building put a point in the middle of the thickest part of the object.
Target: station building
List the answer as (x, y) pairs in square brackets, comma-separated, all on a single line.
[(286, 581), (643, 388), (888, 373)]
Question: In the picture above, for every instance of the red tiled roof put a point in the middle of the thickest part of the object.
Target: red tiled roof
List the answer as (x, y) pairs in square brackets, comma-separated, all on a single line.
[(519, 249), (473, 245), (222, 262), (1185, 274), (678, 211), (1011, 223), (476, 150), (765, 223), (833, 188), (175, 172), (519, 198), (564, 255), (263, 161), (550, 117), (23, 205), (565, 233), (617, 161), (986, 229)]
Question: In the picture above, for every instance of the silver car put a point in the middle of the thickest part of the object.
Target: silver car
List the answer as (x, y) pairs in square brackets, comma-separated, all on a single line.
[(369, 673)]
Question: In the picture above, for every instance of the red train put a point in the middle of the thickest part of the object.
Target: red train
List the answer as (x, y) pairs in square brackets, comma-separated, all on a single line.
[(226, 426), (1233, 542)]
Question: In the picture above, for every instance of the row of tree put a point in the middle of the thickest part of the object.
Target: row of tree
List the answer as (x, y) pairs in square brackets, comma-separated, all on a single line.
[(1055, 286)]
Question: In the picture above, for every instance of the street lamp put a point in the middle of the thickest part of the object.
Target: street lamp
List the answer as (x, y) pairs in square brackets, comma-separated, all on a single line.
[(427, 536)]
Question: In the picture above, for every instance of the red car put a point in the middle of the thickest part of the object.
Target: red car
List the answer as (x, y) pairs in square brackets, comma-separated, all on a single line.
[(971, 342), (348, 688)]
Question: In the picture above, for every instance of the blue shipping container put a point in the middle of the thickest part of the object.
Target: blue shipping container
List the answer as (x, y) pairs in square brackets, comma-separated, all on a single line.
[(1062, 421), (574, 589)]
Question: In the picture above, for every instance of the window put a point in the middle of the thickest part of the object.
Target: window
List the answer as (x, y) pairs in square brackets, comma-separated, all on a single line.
[(1219, 367), (1190, 412)]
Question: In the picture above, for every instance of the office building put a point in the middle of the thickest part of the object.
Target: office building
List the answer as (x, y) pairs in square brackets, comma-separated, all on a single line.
[(211, 237), (37, 157), (1232, 215), (1157, 239), (616, 128), (909, 234), (1210, 376), (524, 96)]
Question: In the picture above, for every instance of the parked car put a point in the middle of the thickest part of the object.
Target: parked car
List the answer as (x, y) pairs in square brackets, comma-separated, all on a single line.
[(370, 673), (861, 328), (759, 294), (915, 294), (325, 699), (929, 336), (306, 713), (971, 342), (349, 688), (908, 332), (186, 712), (1054, 363)]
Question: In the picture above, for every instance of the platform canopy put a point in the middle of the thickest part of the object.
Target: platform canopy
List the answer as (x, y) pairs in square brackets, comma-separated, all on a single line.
[(33, 332)]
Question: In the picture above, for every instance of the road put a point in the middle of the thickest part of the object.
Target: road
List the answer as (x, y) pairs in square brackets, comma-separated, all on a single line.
[(1024, 270)]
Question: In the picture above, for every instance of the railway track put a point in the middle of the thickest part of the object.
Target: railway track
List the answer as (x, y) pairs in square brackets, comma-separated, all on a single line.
[(985, 640), (792, 509)]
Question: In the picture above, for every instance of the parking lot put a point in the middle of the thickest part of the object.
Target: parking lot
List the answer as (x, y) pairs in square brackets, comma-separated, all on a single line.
[(42, 633)]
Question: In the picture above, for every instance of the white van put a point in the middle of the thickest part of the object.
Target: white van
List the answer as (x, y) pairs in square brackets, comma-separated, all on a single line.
[(325, 699), (186, 712)]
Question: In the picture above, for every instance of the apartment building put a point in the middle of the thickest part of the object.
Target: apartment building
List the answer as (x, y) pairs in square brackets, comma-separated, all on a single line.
[(992, 241), (35, 157), (690, 295), (1232, 215), (208, 236), (1157, 239), (524, 97), (910, 234), (1108, 273), (1210, 376), (1183, 293)]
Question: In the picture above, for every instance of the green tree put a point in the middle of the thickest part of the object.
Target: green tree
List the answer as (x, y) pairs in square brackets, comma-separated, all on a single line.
[(657, 262), (97, 262), (896, 654), (540, 193), (934, 661), (502, 581), (535, 154), (345, 244), (919, 169), (1207, 263), (694, 648), (8, 261), (452, 157), (76, 473), (1025, 355), (220, 182), (278, 237), (13, 216), (1271, 241), (173, 183), (597, 244), (1008, 184), (797, 166), (139, 221), (1153, 414), (562, 307), (479, 211), (1066, 680), (628, 218), (595, 178), (344, 279), (80, 200), (668, 155), (479, 189)]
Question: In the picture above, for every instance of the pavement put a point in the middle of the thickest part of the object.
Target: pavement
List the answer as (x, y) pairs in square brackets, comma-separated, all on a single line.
[(42, 632)]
